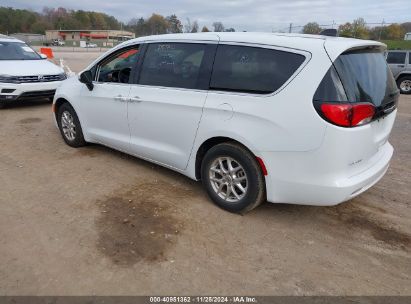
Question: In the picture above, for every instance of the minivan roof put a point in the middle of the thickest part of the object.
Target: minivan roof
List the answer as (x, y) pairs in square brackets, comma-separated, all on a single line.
[(334, 45)]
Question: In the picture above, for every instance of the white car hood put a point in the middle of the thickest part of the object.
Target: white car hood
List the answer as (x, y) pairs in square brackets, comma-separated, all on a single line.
[(28, 68)]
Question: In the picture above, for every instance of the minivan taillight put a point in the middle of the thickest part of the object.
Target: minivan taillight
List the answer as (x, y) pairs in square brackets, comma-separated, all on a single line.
[(348, 114)]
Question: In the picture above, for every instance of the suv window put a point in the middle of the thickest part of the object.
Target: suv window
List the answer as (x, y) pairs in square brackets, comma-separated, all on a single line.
[(176, 65), (409, 57), (396, 57), (252, 69), (117, 68)]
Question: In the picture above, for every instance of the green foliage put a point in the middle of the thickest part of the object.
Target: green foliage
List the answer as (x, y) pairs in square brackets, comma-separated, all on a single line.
[(312, 28), (398, 44), (357, 29), (25, 21)]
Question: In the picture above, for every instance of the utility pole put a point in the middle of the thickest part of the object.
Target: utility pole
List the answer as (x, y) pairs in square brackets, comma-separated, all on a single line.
[(382, 26), (291, 28)]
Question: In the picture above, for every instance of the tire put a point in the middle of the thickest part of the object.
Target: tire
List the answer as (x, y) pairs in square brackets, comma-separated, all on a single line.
[(404, 84), (68, 124), (246, 171)]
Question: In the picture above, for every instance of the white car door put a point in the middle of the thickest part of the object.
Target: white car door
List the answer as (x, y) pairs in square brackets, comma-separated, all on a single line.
[(105, 107), (166, 103)]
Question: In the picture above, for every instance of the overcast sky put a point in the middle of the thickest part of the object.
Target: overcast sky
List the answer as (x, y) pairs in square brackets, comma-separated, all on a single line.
[(250, 15)]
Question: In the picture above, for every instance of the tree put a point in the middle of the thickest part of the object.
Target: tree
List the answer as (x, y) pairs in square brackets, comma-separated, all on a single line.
[(218, 26), (345, 30), (194, 27), (395, 32), (138, 26), (312, 28), (357, 29), (157, 24), (174, 24), (406, 27), (360, 29), (205, 29), (229, 30)]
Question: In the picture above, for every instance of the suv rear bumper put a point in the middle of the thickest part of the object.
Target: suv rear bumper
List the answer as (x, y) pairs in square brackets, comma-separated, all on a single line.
[(299, 183)]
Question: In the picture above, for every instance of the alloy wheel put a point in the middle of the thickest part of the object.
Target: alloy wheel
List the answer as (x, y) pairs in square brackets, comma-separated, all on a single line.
[(405, 85), (68, 126), (228, 179)]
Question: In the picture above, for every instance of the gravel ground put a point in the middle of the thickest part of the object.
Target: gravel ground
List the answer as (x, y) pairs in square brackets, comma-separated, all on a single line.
[(93, 221)]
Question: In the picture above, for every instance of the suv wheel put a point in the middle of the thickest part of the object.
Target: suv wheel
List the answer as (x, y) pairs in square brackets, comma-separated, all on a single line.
[(69, 126), (404, 84), (232, 178)]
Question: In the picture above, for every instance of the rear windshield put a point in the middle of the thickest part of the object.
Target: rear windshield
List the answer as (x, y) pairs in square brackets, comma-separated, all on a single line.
[(366, 77), (17, 51)]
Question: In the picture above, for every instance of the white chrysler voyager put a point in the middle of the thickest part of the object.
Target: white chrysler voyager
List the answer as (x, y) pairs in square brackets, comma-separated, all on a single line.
[(256, 116), (24, 74)]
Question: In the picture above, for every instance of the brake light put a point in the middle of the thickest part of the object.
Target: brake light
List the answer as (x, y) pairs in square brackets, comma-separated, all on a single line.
[(348, 115)]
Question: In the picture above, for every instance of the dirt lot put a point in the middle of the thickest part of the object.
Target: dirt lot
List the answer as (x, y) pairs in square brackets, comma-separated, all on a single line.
[(93, 221)]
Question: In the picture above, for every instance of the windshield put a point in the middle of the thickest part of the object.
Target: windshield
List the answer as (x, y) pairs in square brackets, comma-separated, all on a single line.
[(17, 51), (366, 77)]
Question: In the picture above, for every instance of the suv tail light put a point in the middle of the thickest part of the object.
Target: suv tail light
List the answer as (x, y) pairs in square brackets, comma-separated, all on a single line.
[(348, 114)]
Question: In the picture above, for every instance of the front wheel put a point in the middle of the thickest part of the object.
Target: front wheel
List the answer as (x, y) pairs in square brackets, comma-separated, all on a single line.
[(69, 126), (232, 178), (404, 84)]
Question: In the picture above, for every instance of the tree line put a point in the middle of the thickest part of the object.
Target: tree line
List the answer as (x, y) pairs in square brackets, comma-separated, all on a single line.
[(359, 29), (26, 21)]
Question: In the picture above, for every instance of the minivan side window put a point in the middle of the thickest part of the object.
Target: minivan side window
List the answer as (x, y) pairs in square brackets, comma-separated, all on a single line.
[(177, 65), (396, 57), (252, 69), (117, 68)]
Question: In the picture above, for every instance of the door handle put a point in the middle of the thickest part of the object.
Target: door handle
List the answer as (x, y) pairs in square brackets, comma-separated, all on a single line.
[(135, 99), (401, 66), (120, 98)]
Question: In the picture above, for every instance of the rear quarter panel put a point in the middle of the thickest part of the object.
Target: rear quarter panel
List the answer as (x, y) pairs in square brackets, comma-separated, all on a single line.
[(283, 121)]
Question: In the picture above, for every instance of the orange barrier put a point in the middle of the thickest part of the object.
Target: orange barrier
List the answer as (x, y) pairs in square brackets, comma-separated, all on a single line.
[(48, 52)]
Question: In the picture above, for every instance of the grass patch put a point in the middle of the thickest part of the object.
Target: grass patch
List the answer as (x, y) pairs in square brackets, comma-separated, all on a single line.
[(398, 44)]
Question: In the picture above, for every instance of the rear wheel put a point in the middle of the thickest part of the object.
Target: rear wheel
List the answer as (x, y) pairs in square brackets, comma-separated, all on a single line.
[(69, 126), (232, 178), (404, 84)]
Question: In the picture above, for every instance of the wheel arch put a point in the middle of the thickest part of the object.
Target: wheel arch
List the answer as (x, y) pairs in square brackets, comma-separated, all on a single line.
[(403, 74), (58, 103), (208, 144)]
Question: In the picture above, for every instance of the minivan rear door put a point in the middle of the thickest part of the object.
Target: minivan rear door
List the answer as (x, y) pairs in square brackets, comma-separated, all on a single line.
[(166, 100), (366, 78)]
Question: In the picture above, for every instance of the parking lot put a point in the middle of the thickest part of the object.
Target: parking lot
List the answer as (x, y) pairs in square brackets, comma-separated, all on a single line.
[(93, 221)]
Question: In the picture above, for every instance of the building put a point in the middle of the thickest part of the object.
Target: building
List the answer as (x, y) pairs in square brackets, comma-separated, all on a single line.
[(101, 37), (28, 37), (407, 36)]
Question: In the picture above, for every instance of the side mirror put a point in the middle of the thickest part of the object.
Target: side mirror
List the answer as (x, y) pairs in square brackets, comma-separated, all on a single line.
[(43, 56), (87, 78)]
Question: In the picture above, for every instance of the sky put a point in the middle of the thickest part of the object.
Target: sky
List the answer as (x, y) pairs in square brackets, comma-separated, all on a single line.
[(249, 15)]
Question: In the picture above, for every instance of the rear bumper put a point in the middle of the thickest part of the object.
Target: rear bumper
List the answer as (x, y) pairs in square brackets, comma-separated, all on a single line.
[(27, 91), (300, 183)]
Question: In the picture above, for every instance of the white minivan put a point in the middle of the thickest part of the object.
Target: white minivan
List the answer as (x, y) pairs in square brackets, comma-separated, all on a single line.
[(285, 118)]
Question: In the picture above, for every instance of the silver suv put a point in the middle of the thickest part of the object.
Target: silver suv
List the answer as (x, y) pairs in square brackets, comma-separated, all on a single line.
[(400, 64)]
